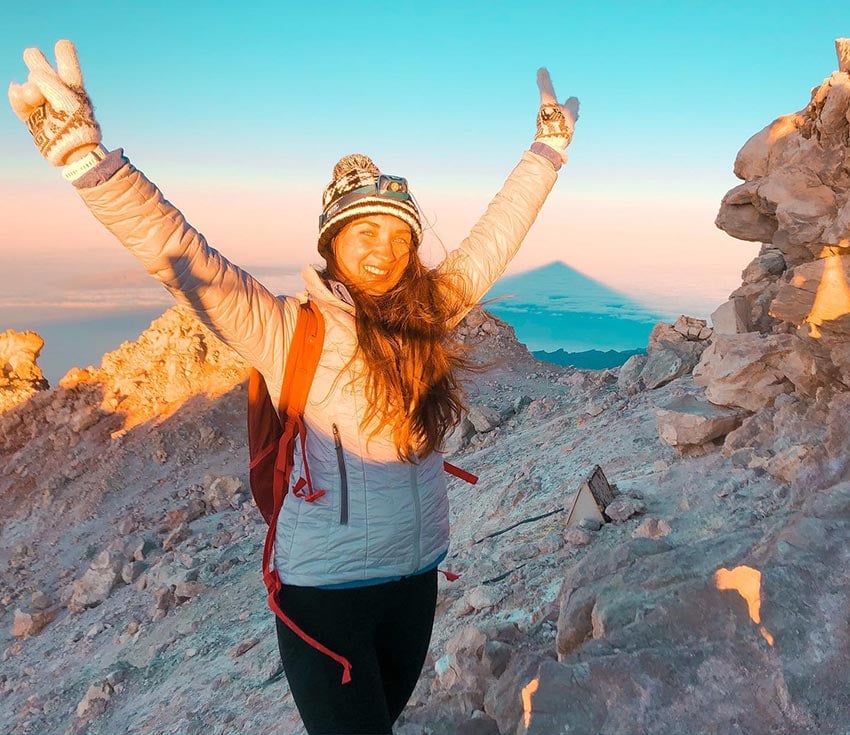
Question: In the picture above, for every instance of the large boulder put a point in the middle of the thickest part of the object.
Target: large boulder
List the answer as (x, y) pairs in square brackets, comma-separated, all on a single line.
[(690, 421), (745, 370)]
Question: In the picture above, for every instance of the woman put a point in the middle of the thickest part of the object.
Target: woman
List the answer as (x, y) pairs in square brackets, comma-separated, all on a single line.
[(359, 559)]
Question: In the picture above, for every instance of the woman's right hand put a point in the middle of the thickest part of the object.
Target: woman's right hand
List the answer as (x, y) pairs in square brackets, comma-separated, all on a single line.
[(55, 107)]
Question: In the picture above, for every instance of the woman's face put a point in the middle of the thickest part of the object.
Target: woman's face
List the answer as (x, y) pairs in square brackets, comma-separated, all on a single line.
[(372, 252)]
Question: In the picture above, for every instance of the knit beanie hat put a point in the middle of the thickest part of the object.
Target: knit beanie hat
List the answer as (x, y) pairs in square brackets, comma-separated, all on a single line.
[(359, 189)]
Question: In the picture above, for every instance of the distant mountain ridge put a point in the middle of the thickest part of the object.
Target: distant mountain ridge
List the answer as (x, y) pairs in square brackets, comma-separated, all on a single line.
[(588, 359), (555, 307)]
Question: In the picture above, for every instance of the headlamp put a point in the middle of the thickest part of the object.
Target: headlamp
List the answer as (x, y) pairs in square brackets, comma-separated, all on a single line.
[(386, 186)]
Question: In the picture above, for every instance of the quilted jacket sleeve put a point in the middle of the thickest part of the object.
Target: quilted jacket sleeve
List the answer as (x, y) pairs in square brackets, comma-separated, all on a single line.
[(494, 240), (228, 300)]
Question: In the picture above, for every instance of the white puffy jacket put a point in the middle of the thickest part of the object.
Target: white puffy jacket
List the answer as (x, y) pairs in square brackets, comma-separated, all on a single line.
[(379, 518)]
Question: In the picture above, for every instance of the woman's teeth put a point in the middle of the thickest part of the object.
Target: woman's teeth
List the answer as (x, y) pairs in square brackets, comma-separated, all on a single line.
[(374, 271)]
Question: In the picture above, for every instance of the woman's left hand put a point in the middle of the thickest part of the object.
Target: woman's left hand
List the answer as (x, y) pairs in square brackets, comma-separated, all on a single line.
[(555, 121)]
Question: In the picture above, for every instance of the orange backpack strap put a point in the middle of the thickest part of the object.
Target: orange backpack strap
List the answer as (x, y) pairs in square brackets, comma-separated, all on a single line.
[(271, 440), (305, 350)]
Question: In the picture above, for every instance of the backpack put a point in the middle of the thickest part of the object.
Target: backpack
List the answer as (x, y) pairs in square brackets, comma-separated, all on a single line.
[(271, 447)]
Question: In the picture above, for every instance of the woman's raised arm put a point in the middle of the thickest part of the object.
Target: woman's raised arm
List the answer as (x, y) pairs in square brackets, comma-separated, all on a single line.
[(494, 240), (242, 312)]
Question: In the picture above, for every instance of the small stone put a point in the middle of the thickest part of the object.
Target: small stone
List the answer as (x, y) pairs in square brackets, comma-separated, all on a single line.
[(144, 549), (577, 536), (243, 646), (652, 528), (221, 492), (95, 630), (132, 571), (484, 418), (27, 624), (187, 590), (624, 508), (116, 676), (479, 598), (94, 701), (176, 537), (550, 543), (594, 408), (590, 524), (164, 601), (127, 526), (521, 403), (193, 510), (40, 601)]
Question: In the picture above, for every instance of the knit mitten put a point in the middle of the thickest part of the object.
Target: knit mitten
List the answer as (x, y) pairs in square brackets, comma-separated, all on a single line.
[(64, 121), (555, 122)]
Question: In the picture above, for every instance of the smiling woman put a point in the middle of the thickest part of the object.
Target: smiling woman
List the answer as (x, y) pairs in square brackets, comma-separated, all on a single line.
[(371, 253), (353, 580)]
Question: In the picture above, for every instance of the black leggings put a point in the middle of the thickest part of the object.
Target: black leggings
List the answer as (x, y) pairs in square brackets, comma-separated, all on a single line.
[(383, 630)]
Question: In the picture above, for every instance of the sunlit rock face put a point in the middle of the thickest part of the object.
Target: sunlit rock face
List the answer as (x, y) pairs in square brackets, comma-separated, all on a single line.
[(794, 199), (782, 342), (20, 375)]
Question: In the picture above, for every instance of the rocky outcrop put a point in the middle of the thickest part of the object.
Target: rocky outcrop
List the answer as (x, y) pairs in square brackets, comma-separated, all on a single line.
[(673, 351), (20, 375), (781, 344)]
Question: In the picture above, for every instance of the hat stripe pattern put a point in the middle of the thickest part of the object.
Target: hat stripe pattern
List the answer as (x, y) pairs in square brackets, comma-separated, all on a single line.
[(354, 172)]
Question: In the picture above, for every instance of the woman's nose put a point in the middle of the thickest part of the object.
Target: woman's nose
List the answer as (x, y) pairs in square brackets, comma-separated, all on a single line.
[(384, 245)]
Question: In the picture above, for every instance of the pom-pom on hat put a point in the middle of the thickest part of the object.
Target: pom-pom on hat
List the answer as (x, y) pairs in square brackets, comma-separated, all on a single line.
[(358, 189)]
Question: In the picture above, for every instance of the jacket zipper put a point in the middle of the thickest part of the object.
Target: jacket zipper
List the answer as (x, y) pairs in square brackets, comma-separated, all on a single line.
[(343, 478), (417, 507)]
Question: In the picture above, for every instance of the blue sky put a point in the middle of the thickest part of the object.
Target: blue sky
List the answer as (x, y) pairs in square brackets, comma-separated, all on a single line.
[(240, 110), (439, 84)]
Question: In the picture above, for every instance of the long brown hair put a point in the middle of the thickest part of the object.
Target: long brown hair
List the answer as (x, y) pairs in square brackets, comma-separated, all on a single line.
[(404, 338)]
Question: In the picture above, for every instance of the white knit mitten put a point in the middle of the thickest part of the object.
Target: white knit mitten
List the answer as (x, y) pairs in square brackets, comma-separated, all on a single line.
[(55, 106), (555, 122)]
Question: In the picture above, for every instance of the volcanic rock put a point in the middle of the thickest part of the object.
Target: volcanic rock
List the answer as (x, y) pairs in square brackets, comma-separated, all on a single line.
[(689, 420), (745, 370)]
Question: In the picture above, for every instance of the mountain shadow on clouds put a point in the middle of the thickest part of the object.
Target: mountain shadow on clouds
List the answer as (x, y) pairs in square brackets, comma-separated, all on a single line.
[(556, 307)]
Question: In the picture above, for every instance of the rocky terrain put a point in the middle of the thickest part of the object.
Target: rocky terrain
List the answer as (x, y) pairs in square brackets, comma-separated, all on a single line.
[(713, 598)]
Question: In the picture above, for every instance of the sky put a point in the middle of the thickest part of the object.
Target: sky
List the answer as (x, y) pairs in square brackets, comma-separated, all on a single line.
[(240, 110)]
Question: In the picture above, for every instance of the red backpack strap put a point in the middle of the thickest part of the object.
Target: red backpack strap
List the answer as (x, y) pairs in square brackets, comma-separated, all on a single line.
[(453, 469), (305, 351)]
